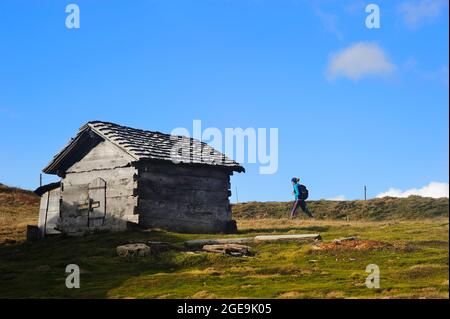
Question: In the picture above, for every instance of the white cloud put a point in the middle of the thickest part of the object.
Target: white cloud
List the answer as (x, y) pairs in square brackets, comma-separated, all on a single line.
[(416, 13), (359, 60), (339, 198), (434, 190)]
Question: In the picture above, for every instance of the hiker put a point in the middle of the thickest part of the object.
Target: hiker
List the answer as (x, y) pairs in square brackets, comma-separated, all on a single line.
[(301, 195)]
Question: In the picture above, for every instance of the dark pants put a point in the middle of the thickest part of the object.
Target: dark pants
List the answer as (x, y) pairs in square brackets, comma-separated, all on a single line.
[(302, 204)]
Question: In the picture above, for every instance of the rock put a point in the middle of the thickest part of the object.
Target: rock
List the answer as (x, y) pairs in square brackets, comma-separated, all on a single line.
[(133, 250), (229, 249), (231, 241), (156, 247), (202, 242)]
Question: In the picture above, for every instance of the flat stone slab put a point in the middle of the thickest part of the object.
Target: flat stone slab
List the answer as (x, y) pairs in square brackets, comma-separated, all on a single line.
[(284, 238), (229, 249), (204, 242), (133, 250)]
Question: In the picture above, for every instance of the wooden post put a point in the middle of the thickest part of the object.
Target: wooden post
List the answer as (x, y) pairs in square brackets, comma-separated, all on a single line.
[(365, 193), (237, 196)]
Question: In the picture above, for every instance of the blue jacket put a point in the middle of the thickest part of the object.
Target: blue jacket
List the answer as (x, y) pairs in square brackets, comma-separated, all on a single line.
[(297, 191)]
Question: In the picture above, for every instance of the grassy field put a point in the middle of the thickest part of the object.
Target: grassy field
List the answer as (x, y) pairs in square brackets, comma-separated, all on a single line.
[(412, 256)]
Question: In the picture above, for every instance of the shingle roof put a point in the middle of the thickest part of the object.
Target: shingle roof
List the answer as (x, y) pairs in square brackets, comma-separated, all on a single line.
[(148, 145)]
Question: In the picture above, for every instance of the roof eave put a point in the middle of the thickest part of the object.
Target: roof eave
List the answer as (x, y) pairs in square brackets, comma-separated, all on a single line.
[(232, 168), (45, 188), (52, 167)]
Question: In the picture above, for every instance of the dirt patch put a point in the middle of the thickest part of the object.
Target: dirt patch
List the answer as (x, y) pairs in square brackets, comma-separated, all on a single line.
[(352, 245)]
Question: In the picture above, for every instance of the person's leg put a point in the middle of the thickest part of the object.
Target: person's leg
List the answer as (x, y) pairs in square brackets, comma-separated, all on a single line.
[(308, 212), (305, 208), (294, 209)]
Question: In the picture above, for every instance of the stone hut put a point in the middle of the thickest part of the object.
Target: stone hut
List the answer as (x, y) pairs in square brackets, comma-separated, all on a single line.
[(114, 177)]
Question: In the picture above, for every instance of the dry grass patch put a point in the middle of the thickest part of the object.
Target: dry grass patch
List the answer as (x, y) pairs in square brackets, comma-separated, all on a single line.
[(18, 208)]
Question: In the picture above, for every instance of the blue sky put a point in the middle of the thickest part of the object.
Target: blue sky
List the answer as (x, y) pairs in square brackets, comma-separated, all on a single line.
[(353, 105)]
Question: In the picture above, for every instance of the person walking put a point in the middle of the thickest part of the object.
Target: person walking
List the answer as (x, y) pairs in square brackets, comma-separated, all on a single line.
[(301, 195)]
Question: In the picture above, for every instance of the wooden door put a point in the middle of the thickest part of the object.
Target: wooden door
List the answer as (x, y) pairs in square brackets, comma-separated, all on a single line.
[(97, 203)]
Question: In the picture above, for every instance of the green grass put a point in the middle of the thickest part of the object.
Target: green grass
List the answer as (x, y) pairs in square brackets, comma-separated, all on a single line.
[(388, 208), (414, 266)]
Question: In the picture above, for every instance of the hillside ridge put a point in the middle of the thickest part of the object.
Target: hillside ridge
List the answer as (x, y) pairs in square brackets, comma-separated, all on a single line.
[(388, 208), (19, 208)]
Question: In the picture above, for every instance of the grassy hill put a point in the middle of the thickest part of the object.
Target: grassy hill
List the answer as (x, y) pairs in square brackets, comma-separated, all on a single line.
[(18, 208), (412, 255), (388, 208)]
